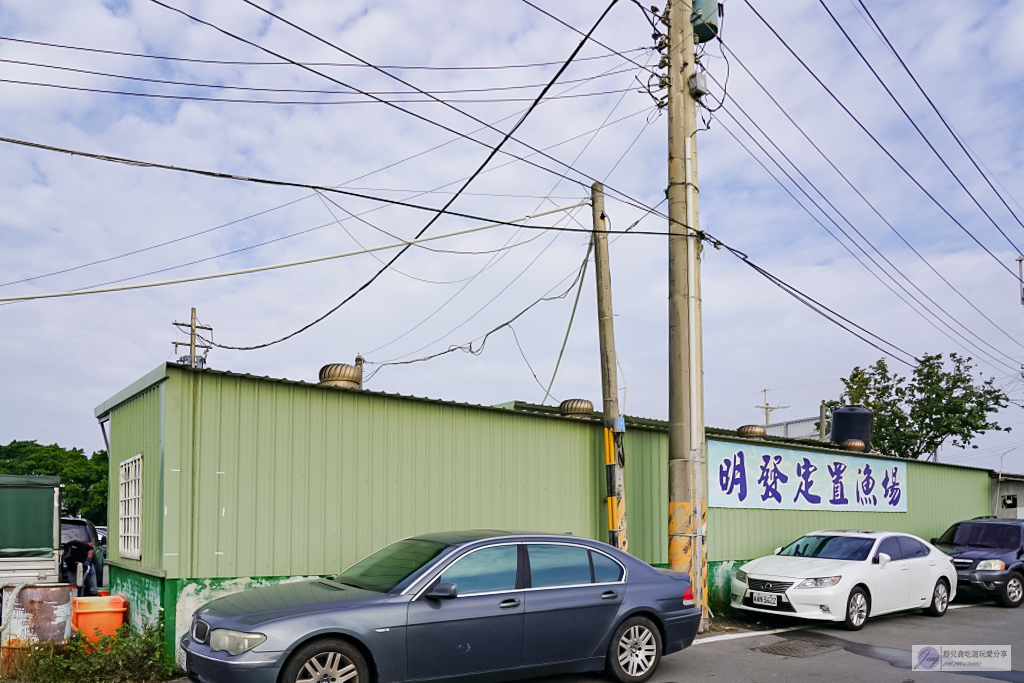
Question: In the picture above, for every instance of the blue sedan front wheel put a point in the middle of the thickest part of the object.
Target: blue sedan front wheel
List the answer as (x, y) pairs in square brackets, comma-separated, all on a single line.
[(635, 651), (329, 660)]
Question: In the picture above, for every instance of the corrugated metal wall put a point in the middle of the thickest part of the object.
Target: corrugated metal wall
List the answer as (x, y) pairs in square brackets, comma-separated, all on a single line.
[(291, 479), (646, 475), (298, 480), (936, 497), (135, 428)]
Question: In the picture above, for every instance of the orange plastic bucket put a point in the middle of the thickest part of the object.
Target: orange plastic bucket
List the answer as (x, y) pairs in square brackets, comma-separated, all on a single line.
[(100, 616)]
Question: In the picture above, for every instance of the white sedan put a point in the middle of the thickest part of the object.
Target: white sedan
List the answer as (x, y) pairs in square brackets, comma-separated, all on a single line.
[(847, 576)]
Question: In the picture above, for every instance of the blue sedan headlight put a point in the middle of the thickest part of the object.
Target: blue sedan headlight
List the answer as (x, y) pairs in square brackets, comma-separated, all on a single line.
[(234, 642)]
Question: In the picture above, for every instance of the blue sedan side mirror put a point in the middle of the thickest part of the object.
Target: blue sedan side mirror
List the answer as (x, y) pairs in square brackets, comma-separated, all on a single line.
[(443, 591)]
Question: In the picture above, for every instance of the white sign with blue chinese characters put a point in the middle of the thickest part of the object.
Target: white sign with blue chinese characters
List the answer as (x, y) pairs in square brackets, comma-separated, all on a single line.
[(744, 475)]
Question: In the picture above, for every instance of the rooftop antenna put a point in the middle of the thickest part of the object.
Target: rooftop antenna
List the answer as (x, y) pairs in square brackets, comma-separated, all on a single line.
[(768, 409)]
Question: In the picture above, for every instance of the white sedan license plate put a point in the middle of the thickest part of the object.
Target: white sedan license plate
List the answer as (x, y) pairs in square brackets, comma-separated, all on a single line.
[(767, 599)]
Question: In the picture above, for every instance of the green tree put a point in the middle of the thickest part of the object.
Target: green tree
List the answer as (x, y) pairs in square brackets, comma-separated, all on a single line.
[(84, 478), (914, 416)]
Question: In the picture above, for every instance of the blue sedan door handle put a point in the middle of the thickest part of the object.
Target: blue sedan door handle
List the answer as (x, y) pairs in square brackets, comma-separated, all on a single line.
[(609, 595), (511, 602)]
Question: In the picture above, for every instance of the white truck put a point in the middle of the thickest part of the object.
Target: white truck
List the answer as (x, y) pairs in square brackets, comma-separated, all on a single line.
[(30, 543)]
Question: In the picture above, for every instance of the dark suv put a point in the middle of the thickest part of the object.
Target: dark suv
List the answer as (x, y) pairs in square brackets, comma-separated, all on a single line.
[(987, 555), (77, 536)]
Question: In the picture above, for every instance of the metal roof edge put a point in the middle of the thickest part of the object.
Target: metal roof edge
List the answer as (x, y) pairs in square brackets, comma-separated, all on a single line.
[(1010, 476), (160, 373), (29, 480), (508, 407), (150, 379)]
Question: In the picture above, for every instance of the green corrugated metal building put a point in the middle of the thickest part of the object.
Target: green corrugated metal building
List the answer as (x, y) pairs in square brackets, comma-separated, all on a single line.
[(230, 481)]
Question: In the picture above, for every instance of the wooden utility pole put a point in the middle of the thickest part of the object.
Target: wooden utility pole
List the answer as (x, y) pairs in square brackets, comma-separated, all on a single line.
[(687, 465), (614, 424)]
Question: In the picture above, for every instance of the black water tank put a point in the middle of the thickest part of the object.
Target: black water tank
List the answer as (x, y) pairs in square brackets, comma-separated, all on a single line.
[(852, 422)]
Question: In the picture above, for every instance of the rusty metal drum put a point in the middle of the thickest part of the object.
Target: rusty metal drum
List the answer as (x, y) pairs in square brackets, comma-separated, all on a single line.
[(40, 614)]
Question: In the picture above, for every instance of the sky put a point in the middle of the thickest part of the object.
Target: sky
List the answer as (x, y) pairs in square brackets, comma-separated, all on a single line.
[(225, 105)]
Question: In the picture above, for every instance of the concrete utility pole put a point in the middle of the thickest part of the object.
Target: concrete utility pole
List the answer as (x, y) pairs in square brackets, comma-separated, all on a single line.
[(614, 424), (822, 421), (687, 465), (1020, 276)]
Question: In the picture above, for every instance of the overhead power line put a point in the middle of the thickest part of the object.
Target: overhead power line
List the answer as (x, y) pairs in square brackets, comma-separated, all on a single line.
[(594, 40), (881, 146), (593, 136), (306, 91), (917, 128), (400, 67), (293, 103), (248, 179), (866, 240), (493, 152), (822, 310), (477, 350), (853, 241), (425, 119), (403, 244), (347, 183), (938, 113), (859, 193)]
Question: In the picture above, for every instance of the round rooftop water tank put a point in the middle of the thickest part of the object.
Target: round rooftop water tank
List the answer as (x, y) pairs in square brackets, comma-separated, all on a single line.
[(852, 422)]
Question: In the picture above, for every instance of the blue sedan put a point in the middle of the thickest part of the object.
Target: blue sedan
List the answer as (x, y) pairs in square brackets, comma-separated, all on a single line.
[(448, 605)]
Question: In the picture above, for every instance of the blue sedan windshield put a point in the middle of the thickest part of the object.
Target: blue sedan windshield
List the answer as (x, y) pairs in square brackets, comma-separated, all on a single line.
[(855, 548), (388, 567)]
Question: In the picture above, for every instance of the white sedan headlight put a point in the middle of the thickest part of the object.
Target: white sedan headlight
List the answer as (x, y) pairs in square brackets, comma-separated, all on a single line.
[(990, 565), (234, 642), (823, 582), (741, 575)]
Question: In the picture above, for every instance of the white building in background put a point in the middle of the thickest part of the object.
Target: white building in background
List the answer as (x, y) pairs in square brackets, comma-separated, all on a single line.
[(803, 428)]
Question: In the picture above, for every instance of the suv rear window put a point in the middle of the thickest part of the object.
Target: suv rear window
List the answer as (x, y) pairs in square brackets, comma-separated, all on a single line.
[(74, 531), (1002, 536)]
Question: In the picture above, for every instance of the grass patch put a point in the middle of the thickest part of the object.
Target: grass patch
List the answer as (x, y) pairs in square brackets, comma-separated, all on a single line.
[(128, 657)]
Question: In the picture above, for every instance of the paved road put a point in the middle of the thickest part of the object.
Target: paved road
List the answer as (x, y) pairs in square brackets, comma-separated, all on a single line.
[(878, 653)]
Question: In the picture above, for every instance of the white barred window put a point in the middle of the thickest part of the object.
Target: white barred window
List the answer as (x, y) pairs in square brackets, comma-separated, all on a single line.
[(129, 514)]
